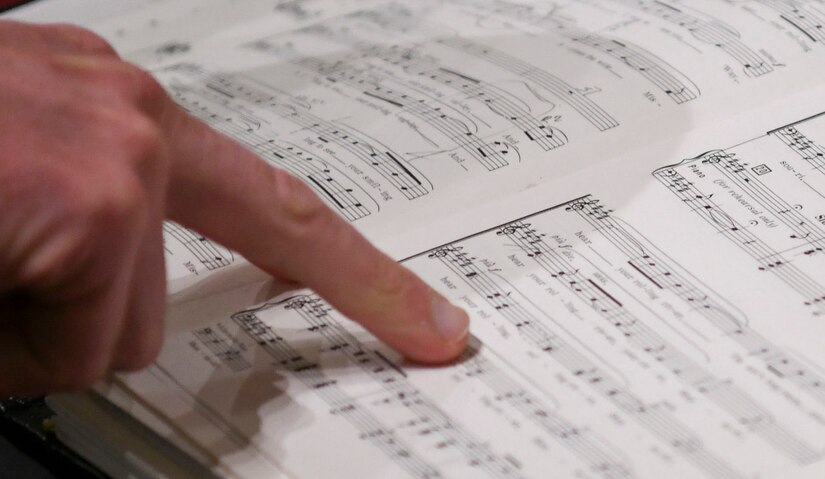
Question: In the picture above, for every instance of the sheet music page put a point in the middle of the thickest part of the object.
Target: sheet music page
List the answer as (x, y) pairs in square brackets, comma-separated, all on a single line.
[(171, 25), (640, 251), (400, 114)]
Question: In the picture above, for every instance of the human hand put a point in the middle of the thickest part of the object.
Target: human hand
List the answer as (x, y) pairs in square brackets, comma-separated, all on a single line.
[(93, 156)]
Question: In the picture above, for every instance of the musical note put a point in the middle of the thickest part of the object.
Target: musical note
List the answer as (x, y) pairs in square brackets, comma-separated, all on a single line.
[(677, 86), (805, 19), (459, 130), (209, 254), (806, 148), (768, 258), (534, 331), (452, 437), (370, 428), (226, 350), (713, 32), (331, 183), (389, 164), (666, 274), (565, 92), (735, 401)]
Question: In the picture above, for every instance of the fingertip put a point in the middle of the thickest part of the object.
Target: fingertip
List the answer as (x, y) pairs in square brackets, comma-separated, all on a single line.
[(443, 338), (449, 321), (435, 353)]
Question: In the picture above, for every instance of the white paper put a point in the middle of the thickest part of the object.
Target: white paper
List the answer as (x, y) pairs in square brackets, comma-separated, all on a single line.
[(634, 221)]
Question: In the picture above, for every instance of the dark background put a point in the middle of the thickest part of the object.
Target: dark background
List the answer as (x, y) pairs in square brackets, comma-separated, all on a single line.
[(29, 447), (17, 464), (8, 4)]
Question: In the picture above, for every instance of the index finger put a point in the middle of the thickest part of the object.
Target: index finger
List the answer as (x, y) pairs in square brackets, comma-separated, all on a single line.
[(222, 190)]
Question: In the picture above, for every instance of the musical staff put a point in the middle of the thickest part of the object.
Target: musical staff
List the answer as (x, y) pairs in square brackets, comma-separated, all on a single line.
[(767, 258), (451, 436), (369, 427), (329, 182), (677, 86), (713, 32), (807, 149), (562, 90), (578, 278), (577, 440), (666, 275), (209, 254), (383, 160), (461, 132), (458, 128), (390, 165), (499, 101), (530, 323), (801, 16), (684, 348), (738, 173), (225, 349)]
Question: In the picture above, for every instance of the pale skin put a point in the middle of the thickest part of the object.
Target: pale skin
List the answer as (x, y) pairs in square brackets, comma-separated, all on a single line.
[(93, 157)]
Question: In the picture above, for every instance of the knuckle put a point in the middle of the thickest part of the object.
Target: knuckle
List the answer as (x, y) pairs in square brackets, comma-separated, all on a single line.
[(148, 87), (121, 202), (113, 199), (55, 238), (137, 136), (82, 38), (134, 84), (83, 219), (127, 83), (301, 209)]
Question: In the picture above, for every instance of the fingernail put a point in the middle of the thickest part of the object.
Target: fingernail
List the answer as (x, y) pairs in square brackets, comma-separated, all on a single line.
[(451, 322)]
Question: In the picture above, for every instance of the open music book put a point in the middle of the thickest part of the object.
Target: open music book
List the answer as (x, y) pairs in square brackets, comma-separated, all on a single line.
[(627, 196)]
